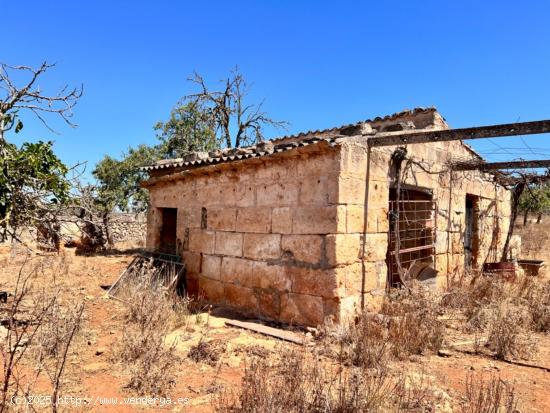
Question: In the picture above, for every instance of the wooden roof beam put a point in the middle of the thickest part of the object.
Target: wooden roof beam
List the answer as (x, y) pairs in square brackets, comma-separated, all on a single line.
[(493, 166), (479, 132)]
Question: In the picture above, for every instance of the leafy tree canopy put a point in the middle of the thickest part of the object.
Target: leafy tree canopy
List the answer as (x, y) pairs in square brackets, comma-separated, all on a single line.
[(119, 180), (33, 185), (535, 199), (189, 129), (33, 180)]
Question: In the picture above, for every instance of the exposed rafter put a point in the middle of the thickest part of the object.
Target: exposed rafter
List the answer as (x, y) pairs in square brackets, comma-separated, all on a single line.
[(493, 166), (479, 132)]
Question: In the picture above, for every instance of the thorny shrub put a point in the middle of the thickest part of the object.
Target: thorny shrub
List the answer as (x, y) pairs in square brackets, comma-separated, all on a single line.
[(144, 345), (40, 331), (299, 381), (480, 297), (413, 325), (208, 352), (408, 325), (366, 342), (507, 336), (488, 396), (59, 324), (537, 296)]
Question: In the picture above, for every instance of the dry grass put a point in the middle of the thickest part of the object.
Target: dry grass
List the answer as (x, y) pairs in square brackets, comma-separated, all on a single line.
[(414, 327), (298, 381), (506, 333), (492, 395), (208, 352), (537, 296), (144, 347), (41, 330)]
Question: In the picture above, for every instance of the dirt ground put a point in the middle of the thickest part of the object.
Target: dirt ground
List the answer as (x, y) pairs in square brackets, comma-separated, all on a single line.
[(94, 374)]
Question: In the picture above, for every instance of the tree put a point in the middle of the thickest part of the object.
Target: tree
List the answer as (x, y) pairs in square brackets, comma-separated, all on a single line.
[(535, 200), (118, 180), (189, 129), (33, 180), (202, 121), (228, 111), (29, 97)]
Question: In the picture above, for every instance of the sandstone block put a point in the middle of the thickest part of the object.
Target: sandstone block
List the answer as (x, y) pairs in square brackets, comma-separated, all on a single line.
[(262, 246), (272, 277), (235, 270), (354, 158), (211, 290), (322, 283), (245, 195), (302, 309), (211, 266), (277, 194), (379, 193), (319, 164), (229, 243), (351, 190), (222, 219), (201, 241), (314, 191), (377, 218), (362, 277), (319, 220), (190, 218), (350, 307), (269, 303), (343, 248), (281, 220), (376, 247), (379, 164), (241, 297), (254, 220), (192, 262), (331, 309), (306, 248)]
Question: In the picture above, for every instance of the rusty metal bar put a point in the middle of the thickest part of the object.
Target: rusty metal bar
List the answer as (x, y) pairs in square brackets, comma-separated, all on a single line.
[(491, 166), (478, 132)]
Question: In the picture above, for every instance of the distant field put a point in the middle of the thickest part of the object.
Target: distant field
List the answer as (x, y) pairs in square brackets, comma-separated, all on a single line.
[(535, 238)]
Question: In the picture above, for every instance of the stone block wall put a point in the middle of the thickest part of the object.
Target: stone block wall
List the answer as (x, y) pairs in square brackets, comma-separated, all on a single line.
[(300, 236), (127, 227), (262, 237), (367, 213)]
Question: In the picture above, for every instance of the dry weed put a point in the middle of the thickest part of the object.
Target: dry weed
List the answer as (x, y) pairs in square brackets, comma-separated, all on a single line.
[(488, 396), (507, 336), (299, 381), (413, 326), (537, 296), (144, 342), (208, 352)]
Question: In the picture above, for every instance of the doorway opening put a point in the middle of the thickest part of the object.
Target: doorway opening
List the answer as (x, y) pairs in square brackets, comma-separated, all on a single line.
[(168, 238), (471, 232)]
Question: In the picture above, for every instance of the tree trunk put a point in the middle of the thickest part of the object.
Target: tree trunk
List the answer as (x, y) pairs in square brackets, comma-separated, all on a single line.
[(539, 218), (525, 217), (106, 225), (516, 193)]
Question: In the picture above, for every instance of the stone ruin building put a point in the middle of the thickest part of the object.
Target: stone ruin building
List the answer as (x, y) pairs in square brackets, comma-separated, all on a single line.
[(319, 225)]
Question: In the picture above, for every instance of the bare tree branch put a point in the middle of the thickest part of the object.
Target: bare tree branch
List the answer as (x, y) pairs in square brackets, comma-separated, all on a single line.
[(229, 111), (29, 96)]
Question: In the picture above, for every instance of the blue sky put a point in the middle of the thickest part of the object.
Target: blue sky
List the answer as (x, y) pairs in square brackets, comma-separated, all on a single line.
[(317, 64)]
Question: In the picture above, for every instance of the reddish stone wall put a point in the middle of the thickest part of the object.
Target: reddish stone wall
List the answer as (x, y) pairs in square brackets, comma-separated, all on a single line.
[(367, 275), (266, 246), (295, 237)]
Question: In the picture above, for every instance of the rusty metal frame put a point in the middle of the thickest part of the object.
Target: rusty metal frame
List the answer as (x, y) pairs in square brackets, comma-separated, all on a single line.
[(427, 241)]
